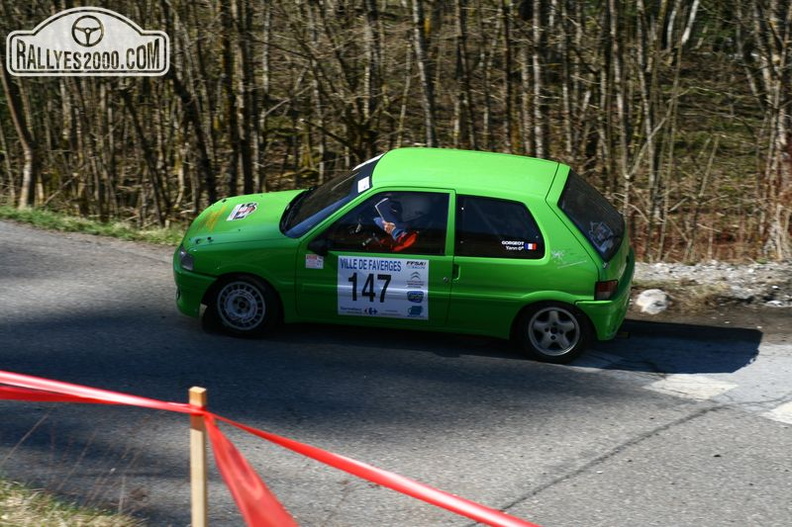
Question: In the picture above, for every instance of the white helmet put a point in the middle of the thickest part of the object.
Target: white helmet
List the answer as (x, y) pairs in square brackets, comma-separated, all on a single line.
[(414, 206)]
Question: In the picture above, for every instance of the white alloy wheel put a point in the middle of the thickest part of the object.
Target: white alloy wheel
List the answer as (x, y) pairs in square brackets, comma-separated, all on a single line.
[(553, 332)]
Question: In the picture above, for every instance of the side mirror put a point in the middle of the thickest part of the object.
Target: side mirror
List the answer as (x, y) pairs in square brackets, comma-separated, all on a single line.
[(320, 245)]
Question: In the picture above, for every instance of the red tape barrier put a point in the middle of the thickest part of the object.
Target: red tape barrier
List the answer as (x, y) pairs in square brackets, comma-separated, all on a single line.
[(258, 505)]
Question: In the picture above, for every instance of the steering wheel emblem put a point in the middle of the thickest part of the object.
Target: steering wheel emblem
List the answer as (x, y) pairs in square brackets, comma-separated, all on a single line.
[(87, 31)]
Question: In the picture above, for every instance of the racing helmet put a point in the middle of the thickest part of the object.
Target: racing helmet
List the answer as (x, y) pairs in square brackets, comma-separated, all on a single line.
[(415, 206)]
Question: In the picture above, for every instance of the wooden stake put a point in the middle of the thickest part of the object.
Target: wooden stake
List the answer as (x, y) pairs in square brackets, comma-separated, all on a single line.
[(200, 500)]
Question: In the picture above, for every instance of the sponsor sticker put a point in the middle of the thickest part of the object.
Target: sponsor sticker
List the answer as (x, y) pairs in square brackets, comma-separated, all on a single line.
[(364, 184), (415, 296), (242, 211), (415, 311), (314, 261), (601, 235)]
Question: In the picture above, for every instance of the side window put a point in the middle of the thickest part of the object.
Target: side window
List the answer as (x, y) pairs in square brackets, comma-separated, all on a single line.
[(496, 228), (394, 222)]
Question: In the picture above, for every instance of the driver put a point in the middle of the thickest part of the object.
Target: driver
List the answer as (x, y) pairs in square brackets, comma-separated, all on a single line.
[(399, 219)]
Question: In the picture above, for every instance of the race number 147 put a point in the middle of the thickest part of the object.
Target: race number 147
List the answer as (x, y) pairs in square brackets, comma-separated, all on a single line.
[(373, 286)]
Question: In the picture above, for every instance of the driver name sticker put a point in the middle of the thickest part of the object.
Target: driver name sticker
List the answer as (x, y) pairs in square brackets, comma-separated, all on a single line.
[(383, 287), (519, 245)]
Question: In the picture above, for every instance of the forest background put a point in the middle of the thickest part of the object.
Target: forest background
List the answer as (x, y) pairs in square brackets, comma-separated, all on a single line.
[(679, 111)]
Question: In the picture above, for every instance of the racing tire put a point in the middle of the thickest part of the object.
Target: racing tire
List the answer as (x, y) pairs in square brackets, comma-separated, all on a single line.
[(242, 306), (552, 332)]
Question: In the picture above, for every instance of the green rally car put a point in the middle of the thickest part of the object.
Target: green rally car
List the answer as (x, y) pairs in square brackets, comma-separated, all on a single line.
[(418, 238)]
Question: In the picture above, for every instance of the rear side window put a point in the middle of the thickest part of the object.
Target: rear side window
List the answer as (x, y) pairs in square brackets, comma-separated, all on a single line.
[(593, 215), (495, 228)]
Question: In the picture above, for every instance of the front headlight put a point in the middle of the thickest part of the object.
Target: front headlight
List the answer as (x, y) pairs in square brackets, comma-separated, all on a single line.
[(186, 260)]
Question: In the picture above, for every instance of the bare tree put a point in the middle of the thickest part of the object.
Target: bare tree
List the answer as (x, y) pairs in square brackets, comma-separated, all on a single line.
[(678, 111), (21, 119), (421, 49)]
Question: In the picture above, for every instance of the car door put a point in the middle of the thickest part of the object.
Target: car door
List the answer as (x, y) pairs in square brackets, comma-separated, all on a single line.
[(499, 259), (385, 261)]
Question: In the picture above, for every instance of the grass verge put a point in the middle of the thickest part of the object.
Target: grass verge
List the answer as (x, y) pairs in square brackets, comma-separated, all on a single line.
[(50, 220), (23, 507)]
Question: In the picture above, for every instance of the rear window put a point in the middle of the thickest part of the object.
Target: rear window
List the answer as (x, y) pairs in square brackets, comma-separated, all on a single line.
[(593, 215)]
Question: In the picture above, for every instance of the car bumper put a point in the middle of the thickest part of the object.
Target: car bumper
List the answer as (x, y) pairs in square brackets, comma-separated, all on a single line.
[(190, 290), (607, 316)]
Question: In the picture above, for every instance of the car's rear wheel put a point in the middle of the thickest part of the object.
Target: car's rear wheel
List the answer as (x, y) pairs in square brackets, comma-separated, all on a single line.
[(242, 306), (553, 332)]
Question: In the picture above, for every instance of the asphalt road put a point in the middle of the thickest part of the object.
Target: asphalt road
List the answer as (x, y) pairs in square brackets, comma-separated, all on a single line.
[(680, 424)]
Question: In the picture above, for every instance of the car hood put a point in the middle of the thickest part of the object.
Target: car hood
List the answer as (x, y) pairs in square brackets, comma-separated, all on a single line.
[(241, 218)]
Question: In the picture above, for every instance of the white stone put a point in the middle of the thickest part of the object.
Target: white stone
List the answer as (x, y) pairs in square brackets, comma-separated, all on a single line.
[(652, 301)]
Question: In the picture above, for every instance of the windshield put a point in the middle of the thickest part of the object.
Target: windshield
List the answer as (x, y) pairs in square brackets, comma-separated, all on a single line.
[(314, 205), (596, 218)]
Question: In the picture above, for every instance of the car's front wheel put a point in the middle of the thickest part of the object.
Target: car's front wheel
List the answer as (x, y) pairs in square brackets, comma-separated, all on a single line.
[(553, 332), (242, 306)]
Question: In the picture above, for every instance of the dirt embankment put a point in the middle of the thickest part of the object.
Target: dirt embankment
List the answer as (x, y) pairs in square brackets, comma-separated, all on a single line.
[(768, 284), (717, 293)]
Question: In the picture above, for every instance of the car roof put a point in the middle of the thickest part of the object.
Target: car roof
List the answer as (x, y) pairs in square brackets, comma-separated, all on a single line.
[(466, 171)]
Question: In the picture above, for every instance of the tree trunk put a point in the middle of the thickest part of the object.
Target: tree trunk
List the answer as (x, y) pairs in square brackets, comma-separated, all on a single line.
[(464, 99), (249, 108), (508, 88), (30, 168), (229, 91), (421, 49), (537, 66)]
